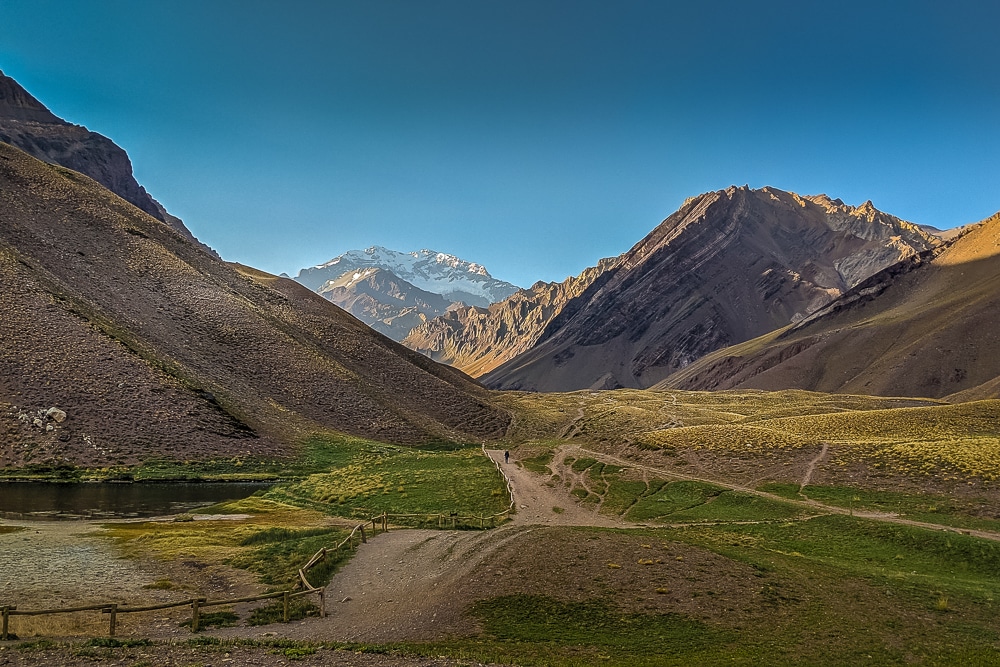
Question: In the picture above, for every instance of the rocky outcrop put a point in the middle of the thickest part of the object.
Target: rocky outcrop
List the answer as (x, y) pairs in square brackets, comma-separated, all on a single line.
[(27, 124), (476, 340), (727, 267)]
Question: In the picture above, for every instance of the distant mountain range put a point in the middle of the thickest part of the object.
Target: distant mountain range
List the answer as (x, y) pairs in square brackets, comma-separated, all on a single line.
[(476, 340), (393, 291), (728, 292)]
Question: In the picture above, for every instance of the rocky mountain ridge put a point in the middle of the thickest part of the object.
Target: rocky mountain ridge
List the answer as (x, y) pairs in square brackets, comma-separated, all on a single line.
[(924, 327), (476, 340), (726, 267), (27, 124), (383, 301)]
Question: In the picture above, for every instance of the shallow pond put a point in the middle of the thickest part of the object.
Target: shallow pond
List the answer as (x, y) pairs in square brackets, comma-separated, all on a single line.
[(104, 500)]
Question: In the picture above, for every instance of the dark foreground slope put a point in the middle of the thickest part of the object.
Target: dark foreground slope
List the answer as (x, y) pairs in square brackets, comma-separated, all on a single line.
[(727, 267), (931, 331), (155, 348)]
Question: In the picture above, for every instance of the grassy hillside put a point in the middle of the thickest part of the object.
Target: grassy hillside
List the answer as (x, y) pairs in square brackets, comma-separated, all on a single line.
[(753, 437)]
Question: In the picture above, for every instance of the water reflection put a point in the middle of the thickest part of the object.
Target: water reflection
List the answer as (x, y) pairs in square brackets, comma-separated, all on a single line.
[(47, 500)]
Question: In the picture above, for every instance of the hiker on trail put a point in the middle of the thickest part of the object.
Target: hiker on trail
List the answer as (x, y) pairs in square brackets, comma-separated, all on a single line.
[(506, 457)]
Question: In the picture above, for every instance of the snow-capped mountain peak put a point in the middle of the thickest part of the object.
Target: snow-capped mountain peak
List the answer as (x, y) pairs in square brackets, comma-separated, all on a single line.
[(430, 270)]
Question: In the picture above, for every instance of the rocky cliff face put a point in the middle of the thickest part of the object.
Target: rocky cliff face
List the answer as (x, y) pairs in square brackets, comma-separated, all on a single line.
[(477, 340), (923, 327), (27, 124), (383, 301), (727, 267)]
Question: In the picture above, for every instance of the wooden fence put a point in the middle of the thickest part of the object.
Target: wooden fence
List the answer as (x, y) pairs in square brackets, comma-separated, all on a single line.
[(302, 588)]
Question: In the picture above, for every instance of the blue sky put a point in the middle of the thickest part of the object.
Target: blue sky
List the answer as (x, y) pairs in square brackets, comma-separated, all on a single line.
[(534, 137)]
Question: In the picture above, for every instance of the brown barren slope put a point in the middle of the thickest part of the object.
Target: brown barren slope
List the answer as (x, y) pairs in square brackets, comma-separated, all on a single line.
[(727, 267), (154, 347), (931, 331)]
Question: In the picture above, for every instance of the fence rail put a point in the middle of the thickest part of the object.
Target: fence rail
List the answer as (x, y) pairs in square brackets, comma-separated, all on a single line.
[(302, 588)]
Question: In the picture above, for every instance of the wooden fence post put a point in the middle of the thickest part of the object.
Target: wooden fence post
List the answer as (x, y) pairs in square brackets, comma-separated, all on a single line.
[(322, 603), (284, 600), (385, 522), (194, 614), (364, 540), (113, 612), (6, 620)]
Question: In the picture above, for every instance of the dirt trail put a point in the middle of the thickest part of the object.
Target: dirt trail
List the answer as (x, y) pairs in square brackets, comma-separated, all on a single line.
[(804, 503), (414, 584), (812, 466), (572, 429), (407, 584), (535, 498)]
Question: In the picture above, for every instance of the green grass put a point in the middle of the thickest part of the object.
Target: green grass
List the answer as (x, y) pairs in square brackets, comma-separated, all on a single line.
[(214, 619), (703, 503), (658, 500), (538, 464), (281, 534), (278, 553), (591, 632), (298, 609), (902, 557), (833, 590), (370, 480), (34, 645), (273, 543), (115, 642), (926, 507)]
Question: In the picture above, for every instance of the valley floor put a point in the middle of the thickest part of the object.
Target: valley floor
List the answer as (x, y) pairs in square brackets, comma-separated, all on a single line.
[(581, 571)]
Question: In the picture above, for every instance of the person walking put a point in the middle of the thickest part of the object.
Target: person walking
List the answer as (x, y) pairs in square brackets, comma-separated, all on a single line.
[(506, 456)]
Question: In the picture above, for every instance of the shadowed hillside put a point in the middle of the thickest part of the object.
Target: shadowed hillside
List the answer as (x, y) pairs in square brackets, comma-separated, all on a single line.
[(152, 347), (930, 331), (726, 267)]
